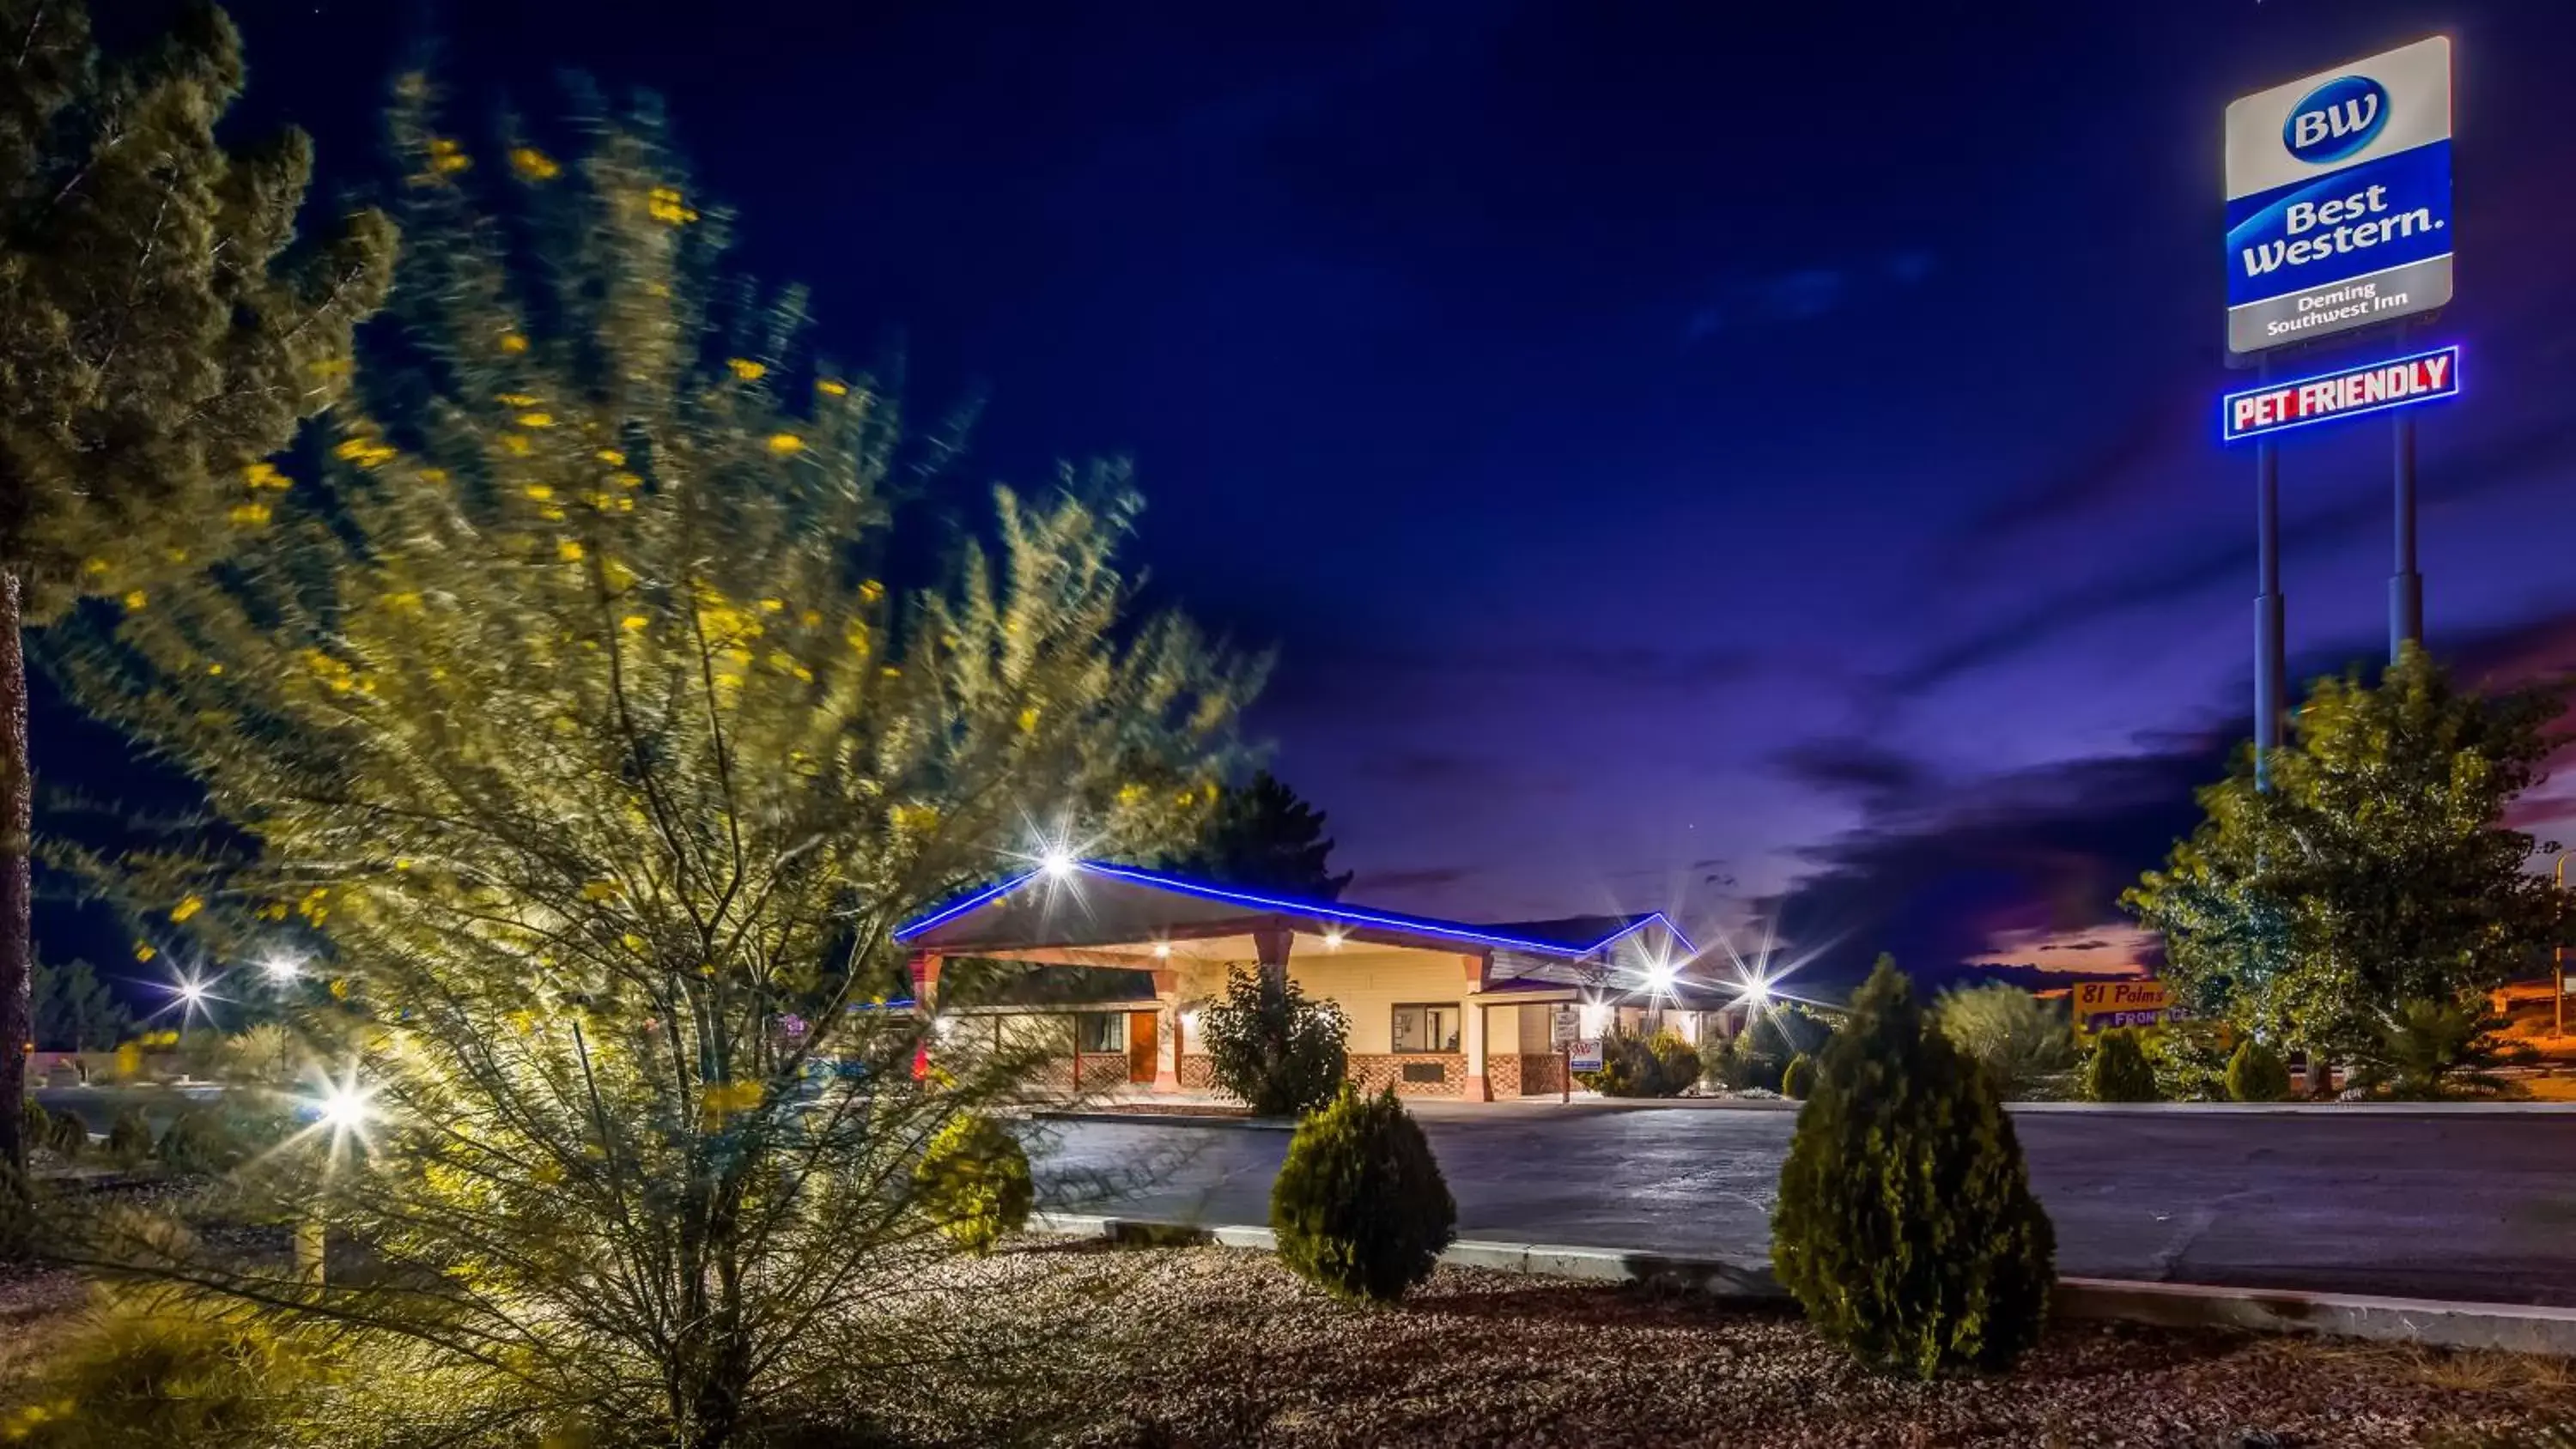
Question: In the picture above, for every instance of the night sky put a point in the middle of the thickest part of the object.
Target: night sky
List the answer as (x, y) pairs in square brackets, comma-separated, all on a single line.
[(1685, 456)]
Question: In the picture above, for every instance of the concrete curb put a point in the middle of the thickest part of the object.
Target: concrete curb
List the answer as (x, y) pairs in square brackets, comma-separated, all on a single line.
[(1453, 1111), (2510, 1327), (1170, 1119)]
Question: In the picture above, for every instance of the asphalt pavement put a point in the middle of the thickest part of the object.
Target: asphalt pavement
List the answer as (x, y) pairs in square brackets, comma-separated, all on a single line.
[(2465, 1206)]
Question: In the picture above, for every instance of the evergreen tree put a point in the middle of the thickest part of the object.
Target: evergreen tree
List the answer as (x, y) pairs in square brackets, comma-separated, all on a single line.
[(1906, 1226), (160, 334), (1263, 837), (75, 1011), (2376, 870), (584, 722)]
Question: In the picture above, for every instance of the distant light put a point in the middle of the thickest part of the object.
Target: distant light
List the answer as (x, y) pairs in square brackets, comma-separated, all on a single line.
[(1756, 992), (192, 993), (345, 1109), (282, 969), (1162, 948), (1659, 976), (1057, 862), (1333, 939)]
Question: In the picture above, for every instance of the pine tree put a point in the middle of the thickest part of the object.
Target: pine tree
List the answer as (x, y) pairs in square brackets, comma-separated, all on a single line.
[(589, 722), (75, 1011), (2376, 870), (1262, 836), (1906, 1226), (160, 334)]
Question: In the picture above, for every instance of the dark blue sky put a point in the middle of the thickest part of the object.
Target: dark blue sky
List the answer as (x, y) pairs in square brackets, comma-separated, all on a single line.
[(1683, 454)]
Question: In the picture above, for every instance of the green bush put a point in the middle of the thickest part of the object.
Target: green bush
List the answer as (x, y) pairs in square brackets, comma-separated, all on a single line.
[(2257, 1074), (1359, 1208), (1269, 1045), (1798, 1079), (201, 1138), (2430, 1050), (35, 1124), (2189, 1059), (1906, 1227), (2023, 1040), (2118, 1070), (1676, 1063), (1663, 1065), (70, 1136), (129, 1137), (159, 1372), (1726, 1061), (973, 1181)]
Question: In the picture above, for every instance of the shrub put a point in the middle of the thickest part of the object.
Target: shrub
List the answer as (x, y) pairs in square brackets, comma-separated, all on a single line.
[(2429, 1050), (2118, 1069), (70, 1136), (1798, 1079), (1359, 1207), (1906, 1227), (2008, 1031), (2257, 1074), (200, 1139), (1726, 1061), (1269, 1045), (35, 1124), (129, 1137), (161, 1371), (1786, 1029), (2189, 1059), (1663, 1065), (973, 1182)]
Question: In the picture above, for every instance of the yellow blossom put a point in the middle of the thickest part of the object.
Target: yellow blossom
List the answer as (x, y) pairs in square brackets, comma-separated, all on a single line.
[(214, 669), (446, 157), (186, 908), (136, 599), (515, 443), (612, 457), (143, 952), (746, 369), (540, 492), (1029, 720), (515, 399), (408, 600), (513, 343), (664, 204), (632, 622), (831, 387), (534, 164), (247, 515), (536, 420), (94, 567), (810, 618), (568, 551), (265, 475), (785, 443), (433, 475)]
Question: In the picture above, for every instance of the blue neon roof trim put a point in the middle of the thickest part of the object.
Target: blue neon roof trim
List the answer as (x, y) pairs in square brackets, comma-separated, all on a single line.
[(1322, 910)]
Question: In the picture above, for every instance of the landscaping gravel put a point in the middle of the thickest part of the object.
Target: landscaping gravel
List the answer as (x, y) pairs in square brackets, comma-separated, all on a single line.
[(1226, 1348)]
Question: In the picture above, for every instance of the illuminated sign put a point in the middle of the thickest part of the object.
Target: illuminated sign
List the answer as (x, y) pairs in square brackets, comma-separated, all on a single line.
[(2135, 993), (2350, 392), (2339, 199)]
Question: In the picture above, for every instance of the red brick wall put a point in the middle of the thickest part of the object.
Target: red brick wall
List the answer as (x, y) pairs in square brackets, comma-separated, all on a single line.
[(1100, 1071), (1198, 1074), (1372, 1073), (1534, 1075)]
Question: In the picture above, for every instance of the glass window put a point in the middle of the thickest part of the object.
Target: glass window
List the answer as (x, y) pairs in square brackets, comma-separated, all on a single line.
[(1103, 1031), (1426, 1028)]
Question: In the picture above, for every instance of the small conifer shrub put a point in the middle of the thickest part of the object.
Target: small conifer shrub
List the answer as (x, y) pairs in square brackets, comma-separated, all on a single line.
[(1360, 1208)]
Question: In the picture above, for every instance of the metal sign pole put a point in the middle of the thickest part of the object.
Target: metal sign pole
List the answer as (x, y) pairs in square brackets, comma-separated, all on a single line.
[(2405, 585), (2269, 661)]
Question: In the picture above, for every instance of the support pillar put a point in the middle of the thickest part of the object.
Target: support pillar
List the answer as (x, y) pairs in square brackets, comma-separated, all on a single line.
[(1479, 1087), (1167, 1031), (923, 968), (1270, 945)]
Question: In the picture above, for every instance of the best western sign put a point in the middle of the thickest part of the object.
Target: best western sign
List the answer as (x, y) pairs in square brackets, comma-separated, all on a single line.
[(2339, 199), (2369, 387)]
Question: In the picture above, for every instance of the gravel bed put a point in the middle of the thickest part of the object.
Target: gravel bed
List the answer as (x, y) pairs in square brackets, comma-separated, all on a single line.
[(1209, 1347)]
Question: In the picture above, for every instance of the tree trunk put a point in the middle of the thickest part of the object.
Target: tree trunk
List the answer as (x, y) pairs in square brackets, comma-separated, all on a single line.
[(17, 948)]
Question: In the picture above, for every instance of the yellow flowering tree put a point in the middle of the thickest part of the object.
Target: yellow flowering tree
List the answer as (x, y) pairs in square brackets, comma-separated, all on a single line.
[(595, 728), (160, 331)]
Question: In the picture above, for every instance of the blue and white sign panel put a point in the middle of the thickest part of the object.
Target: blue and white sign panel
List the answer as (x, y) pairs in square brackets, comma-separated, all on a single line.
[(2339, 199), (2351, 392)]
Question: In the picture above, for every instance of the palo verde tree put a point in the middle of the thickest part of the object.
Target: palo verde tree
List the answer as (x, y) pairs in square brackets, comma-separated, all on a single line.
[(2377, 870), (161, 333), (586, 720)]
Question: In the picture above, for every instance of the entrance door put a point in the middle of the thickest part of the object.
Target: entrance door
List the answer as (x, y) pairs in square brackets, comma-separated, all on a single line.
[(1141, 1044)]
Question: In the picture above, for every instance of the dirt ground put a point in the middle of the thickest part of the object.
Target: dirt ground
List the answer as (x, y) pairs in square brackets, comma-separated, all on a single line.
[(1197, 1348)]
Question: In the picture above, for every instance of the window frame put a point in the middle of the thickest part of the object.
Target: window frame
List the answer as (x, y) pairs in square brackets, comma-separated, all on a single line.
[(1457, 1014)]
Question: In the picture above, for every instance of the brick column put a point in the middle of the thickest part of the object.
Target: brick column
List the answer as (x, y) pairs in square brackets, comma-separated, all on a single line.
[(1270, 944), (923, 968), (1479, 1088)]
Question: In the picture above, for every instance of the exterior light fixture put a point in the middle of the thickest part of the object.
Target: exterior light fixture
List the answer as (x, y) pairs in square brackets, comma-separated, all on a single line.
[(344, 1109), (1756, 992), (1659, 977), (1057, 862), (1162, 949), (1333, 939), (281, 969)]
